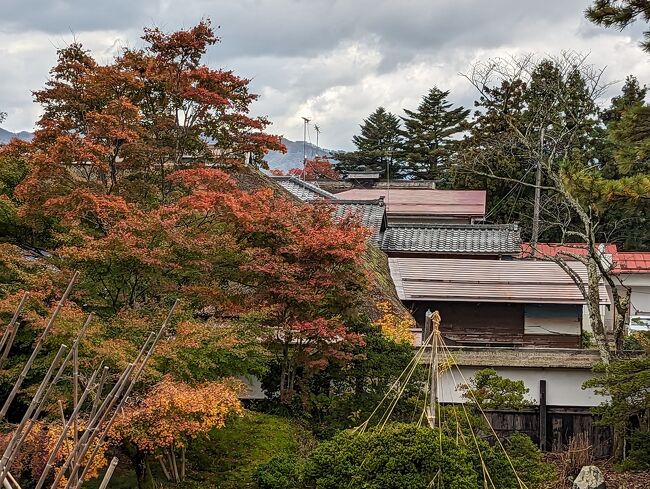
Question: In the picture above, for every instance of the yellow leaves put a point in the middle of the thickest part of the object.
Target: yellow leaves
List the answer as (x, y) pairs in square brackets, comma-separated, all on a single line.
[(172, 413), (42, 440), (394, 327)]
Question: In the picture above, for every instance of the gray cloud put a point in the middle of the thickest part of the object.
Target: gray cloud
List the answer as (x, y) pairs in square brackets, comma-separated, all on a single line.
[(332, 60)]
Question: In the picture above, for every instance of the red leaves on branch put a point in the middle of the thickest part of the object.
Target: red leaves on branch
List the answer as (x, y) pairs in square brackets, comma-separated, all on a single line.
[(318, 168)]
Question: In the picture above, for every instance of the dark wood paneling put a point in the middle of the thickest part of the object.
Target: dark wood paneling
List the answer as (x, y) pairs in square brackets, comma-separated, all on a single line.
[(486, 323), (561, 425), (552, 340)]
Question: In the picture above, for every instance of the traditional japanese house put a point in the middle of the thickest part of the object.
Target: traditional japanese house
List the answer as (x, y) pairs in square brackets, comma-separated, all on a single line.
[(511, 303)]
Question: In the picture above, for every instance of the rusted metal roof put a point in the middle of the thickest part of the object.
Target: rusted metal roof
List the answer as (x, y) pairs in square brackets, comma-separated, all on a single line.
[(467, 280), (424, 202)]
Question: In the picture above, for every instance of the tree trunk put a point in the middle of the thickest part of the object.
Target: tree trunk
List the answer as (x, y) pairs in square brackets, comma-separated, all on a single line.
[(593, 304), (141, 466)]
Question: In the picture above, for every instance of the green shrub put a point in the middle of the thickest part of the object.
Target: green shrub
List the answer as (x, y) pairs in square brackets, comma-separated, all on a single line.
[(528, 460), (399, 456), (639, 456), (285, 472)]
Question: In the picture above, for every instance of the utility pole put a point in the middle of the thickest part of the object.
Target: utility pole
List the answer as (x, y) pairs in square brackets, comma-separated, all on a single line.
[(538, 183), (304, 146)]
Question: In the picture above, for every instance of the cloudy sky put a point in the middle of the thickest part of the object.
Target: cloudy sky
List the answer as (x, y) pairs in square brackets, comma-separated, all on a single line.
[(334, 61)]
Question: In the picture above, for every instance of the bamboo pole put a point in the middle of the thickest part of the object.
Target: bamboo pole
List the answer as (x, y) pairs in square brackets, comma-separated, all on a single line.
[(75, 392), (90, 432), (51, 385), (98, 416), (98, 396), (66, 427), (10, 332), (109, 473), (37, 347), (13, 481), (17, 437), (162, 329)]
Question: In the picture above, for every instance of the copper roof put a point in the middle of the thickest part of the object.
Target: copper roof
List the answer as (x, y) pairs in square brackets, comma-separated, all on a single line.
[(424, 202), (495, 239), (467, 280)]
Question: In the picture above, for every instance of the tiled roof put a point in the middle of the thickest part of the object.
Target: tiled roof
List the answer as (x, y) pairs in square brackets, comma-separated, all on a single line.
[(632, 262), (371, 213), (453, 238), (465, 280), (424, 202), (301, 189)]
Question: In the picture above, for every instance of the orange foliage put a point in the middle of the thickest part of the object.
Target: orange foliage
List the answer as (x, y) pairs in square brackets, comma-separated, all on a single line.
[(394, 327), (318, 168), (40, 443), (173, 413)]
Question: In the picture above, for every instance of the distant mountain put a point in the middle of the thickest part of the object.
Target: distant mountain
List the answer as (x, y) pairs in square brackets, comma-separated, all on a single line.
[(275, 159), (6, 136), (293, 157)]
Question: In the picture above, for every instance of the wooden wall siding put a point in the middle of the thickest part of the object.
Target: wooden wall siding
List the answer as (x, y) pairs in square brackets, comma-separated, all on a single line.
[(552, 340), (498, 324), (561, 425)]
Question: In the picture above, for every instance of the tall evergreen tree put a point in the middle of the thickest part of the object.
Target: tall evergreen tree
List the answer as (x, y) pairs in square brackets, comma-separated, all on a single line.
[(430, 136), (621, 13), (377, 145), (627, 154)]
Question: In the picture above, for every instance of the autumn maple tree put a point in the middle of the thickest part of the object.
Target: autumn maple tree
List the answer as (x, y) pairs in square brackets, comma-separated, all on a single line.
[(163, 422), (319, 168), (143, 175)]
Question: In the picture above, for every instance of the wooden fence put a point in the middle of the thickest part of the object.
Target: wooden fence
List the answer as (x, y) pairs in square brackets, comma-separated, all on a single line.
[(553, 435)]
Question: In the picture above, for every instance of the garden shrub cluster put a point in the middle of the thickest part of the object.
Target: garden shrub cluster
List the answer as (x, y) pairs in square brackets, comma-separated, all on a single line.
[(407, 455)]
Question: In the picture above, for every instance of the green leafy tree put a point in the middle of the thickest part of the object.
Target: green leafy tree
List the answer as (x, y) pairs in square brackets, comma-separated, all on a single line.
[(621, 14), (626, 383), (489, 390), (431, 136), (377, 145)]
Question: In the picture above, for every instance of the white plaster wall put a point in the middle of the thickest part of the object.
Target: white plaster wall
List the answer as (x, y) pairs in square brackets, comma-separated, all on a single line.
[(563, 385)]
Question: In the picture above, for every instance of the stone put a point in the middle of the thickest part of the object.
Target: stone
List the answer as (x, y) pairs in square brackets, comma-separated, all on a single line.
[(590, 477)]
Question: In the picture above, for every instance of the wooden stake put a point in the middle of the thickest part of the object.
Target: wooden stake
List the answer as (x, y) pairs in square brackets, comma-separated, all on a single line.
[(109, 474)]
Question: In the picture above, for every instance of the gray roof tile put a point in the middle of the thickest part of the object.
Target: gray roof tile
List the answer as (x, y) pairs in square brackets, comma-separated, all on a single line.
[(371, 213), (302, 190), (453, 238)]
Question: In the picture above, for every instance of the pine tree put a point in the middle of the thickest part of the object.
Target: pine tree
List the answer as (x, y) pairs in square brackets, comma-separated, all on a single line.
[(621, 13), (628, 156), (429, 136), (377, 145)]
